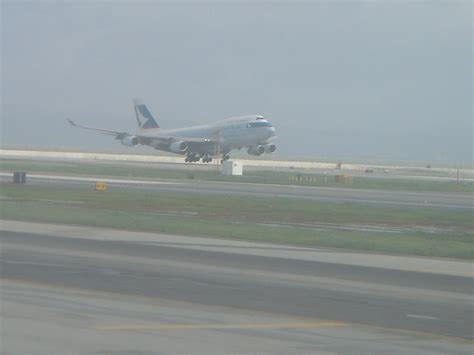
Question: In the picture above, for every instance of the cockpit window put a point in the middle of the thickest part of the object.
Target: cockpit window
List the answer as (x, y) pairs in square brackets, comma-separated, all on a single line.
[(259, 124)]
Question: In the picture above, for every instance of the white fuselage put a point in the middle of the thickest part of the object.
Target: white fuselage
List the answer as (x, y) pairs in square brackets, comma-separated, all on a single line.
[(233, 133)]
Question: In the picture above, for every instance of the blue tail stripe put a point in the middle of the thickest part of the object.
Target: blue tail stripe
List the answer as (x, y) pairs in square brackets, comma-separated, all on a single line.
[(144, 111), (150, 124), (150, 121)]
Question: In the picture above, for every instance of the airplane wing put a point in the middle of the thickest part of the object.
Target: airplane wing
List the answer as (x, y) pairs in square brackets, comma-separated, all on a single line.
[(201, 146), (165, 138), (195, 144), (117, 134)]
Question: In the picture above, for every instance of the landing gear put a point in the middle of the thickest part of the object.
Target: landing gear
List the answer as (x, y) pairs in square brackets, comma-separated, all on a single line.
[(195, 157), (225, 157), (207, 158), (192, 157)]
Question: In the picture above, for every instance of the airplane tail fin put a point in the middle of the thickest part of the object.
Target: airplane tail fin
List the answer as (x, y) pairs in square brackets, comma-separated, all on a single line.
[(145, 119)]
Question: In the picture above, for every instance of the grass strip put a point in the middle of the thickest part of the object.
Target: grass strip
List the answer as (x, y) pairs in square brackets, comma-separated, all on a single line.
[(264, 177), (452, 245), (240, 217), (247, 208)]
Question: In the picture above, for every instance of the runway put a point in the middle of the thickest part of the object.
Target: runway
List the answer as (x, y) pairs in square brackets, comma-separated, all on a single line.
[(138, 292), (377, 197)]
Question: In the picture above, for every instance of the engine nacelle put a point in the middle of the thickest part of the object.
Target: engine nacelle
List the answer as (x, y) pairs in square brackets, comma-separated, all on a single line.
[(131, 141), (270, 148), (179, 147), (256, 150)]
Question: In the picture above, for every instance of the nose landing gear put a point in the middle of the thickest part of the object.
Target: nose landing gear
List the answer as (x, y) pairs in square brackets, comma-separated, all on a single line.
[(225, 157)]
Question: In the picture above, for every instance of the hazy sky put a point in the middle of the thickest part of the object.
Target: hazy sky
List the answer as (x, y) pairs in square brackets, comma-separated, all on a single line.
[(375, 79)]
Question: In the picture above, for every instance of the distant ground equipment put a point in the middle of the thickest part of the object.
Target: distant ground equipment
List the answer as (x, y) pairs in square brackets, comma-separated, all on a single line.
[(19, 177), (232, 167), (101, 186), (343, 179), (303, 178)]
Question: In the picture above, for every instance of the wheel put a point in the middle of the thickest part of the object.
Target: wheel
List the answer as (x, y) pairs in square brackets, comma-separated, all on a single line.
[(190, 158)]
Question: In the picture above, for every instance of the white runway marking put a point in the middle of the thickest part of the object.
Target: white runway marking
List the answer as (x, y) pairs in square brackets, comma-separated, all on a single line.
[(94, 179), (419, 316), (32, 263)]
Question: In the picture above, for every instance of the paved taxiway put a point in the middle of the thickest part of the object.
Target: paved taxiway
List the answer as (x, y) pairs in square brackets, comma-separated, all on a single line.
[(397, 198), (80, 288)]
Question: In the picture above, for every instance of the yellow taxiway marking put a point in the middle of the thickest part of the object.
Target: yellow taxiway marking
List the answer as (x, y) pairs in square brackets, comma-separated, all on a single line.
[(164, 326)]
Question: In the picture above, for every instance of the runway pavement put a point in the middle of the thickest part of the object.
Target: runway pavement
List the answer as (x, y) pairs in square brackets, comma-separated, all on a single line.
[(66, 289), (379, 197)]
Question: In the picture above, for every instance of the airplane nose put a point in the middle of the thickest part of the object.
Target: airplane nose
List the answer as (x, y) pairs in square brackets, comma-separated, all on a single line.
[(271, 131)]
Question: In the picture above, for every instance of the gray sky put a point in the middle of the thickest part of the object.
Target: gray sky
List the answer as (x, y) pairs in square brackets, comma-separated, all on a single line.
[(389, 80)]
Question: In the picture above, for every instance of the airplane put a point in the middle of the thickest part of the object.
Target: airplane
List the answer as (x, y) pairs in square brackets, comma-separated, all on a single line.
[(198, 143)]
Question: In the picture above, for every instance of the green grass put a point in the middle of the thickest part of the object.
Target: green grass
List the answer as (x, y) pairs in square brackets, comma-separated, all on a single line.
[(453, 245), (246, 208), (235, 217), (264, 177)]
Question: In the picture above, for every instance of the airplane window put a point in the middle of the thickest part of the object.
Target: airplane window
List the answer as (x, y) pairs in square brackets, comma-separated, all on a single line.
[(259, 124)]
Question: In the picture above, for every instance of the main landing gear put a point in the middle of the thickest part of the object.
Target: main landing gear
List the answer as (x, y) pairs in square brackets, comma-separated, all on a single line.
[(206, 158), (194, 157)]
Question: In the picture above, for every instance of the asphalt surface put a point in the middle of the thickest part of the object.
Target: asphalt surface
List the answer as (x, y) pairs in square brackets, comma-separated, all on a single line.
[(378, 197), (299, 296)]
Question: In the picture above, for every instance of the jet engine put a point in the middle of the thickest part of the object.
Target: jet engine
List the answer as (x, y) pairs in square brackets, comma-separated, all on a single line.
[(270, 148), (256, 150), (179, 147), (130, 141)]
